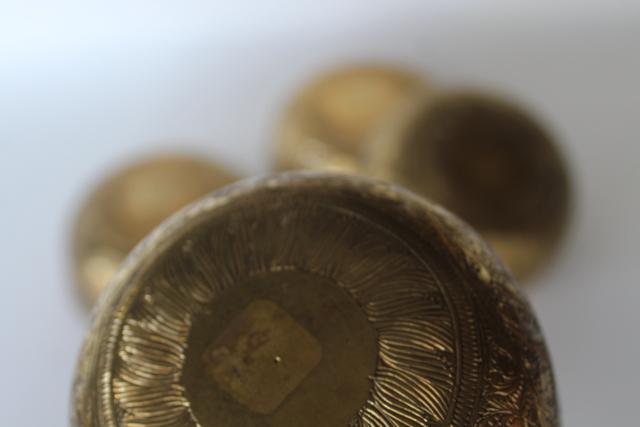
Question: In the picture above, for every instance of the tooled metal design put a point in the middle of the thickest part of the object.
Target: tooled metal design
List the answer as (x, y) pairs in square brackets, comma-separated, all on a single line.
[(457, 345), (519, 388)]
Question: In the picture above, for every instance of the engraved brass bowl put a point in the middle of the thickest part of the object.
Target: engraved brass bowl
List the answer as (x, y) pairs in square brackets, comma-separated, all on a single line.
[(315, 300), (130, 203)]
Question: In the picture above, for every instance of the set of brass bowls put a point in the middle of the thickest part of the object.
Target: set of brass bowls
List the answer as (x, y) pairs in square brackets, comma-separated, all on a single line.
[(482, 157), (324, 299)]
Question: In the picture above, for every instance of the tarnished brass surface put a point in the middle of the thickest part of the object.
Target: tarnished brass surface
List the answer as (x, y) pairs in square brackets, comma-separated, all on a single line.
[(330, 123), (489, 162), (314, 300), (481, 157), (128, 205)]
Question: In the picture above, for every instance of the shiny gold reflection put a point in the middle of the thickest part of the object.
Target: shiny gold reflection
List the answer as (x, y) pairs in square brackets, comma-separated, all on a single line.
[(318, 301), (330, 123), (127, 205)]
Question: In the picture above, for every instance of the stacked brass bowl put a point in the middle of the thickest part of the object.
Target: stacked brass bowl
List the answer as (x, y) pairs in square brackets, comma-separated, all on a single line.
[(340, 297), (480, 156)]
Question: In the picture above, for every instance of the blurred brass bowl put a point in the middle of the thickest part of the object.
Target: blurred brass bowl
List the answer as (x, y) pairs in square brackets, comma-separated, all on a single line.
[(489, 162), (482, 157), (314, 300), (329, 124), (127, 205)]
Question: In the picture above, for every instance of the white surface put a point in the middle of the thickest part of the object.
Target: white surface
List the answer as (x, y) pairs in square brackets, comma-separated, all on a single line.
[(84, 87)]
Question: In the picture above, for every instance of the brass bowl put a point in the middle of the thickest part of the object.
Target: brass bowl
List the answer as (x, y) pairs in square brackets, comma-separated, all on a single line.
[(329, 125), (484, 158), (130, 203), (488, 161), (315, 300)]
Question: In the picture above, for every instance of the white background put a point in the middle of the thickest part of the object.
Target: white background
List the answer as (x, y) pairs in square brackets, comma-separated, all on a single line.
[(85, 87)]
